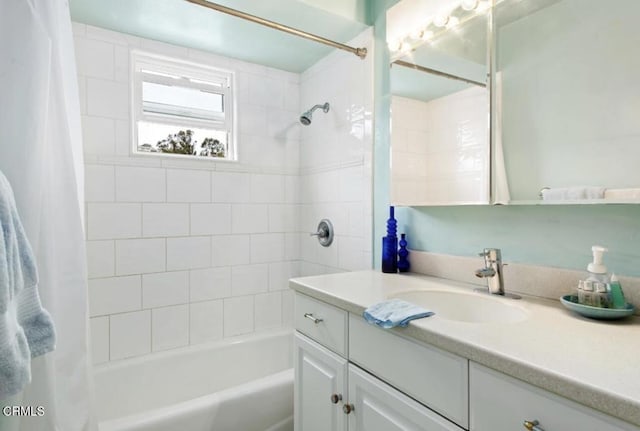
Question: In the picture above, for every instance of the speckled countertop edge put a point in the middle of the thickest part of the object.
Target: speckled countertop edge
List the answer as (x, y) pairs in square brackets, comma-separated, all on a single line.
[(584, 393)]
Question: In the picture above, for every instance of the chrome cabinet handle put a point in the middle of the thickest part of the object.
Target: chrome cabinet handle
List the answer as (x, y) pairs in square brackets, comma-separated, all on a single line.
[(348, 408), (336, 398), (532, 425), (310, 316)]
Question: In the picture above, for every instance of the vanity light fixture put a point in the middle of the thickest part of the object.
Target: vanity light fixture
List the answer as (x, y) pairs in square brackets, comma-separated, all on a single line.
[(394, 45), (416, 34), (452, 22), (426, 35), (405, 47), (469, 5)]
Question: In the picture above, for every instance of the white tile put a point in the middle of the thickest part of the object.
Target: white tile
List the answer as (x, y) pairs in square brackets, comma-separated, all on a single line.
[(187, 253), (291, 188), (121, 63), (267, 247), (267, 188), (283, 218), (210, 283), (287, 307), (247, 279), (101, 259), (130, 334), (123, 138), (113, 220), (253, 120), (78, 29), (207, 219), (114, 295), (231, 250), (99, 339), (107, 98), (94, 58), (165, 288), (137, 184), (170, 327), (280, 273), (206, 321), (231, 187), (110, 36), (238, 316), (292, 245), (165, 48), (140, 256), (351, 254), (266, 91), (268, 309), (98, 135), (184, 185), (165, 220), (99, 183), (250, 218)]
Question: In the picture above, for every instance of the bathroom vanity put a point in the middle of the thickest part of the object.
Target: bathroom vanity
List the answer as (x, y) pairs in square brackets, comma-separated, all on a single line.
[(481, 363)]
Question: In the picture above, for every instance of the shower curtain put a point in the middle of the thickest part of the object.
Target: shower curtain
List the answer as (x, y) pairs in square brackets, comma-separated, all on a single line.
[(41, 155)]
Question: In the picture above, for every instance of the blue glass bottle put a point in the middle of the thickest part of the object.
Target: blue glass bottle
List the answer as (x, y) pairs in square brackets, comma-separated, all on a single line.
[(403, 254), (390, 245)]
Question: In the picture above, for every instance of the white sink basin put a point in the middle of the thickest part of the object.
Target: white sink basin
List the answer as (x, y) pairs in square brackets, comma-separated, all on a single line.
[(466, 307)]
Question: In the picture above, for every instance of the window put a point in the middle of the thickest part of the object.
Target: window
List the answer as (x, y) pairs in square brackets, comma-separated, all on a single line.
[(181, 109)]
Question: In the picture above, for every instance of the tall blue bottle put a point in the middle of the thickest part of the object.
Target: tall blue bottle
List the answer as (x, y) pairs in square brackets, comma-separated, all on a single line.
[(390, 245)]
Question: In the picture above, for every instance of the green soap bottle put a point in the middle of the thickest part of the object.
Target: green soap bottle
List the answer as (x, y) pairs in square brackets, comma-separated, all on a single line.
[(617, 297)]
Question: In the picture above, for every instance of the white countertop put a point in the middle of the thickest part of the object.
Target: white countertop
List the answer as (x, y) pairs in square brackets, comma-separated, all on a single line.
[(595, 363)]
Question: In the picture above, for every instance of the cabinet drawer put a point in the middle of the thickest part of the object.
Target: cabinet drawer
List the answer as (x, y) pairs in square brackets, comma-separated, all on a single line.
[(436, 378), (379, 407), (502, 403), (330, 328)]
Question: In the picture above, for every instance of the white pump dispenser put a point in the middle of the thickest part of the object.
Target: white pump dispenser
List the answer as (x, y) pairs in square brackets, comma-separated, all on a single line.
[(597, 267)]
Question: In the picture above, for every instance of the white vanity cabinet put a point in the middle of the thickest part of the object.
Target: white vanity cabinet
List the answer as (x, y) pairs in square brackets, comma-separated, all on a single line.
[(502, 403), (332, 394)]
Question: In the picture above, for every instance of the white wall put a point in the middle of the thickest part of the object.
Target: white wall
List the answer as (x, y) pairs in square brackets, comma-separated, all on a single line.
[(183, 252), (335, 161), (439, 149)]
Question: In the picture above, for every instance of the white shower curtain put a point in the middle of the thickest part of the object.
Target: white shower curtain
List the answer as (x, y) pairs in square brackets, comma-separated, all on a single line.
[(41, 155)]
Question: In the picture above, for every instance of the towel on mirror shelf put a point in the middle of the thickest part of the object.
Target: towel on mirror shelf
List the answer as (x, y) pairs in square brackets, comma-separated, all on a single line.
[(572, 193), (394, 312), (26, 329)]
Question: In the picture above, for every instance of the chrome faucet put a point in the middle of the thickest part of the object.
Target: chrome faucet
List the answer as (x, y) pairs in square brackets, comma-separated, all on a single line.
[(492, 270)]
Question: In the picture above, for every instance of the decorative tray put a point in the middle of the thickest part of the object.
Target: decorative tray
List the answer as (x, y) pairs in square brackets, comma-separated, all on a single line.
[(571, 302)]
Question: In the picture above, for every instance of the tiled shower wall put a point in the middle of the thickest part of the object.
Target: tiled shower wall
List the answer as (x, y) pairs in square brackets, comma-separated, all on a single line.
[(183, 252), (335, 160)]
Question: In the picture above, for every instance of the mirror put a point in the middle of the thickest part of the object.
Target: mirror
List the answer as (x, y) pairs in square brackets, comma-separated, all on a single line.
[(568, 99), (440, 103)]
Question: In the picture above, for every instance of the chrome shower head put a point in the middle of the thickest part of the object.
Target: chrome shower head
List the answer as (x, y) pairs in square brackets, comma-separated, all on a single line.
[(305, 118)]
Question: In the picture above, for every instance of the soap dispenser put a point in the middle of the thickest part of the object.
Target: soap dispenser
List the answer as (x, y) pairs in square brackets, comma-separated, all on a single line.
[(593, 290)]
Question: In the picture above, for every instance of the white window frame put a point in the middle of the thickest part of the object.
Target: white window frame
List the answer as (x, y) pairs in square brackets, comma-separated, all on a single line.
[(189, 75)]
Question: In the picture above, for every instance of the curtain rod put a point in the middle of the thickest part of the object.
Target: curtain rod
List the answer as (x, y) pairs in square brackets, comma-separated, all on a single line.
[(360, 52), (437, 72)]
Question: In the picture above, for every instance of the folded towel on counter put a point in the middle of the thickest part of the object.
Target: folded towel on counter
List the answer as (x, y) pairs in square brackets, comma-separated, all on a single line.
[(573, 193), (394, 312), (26, 329)]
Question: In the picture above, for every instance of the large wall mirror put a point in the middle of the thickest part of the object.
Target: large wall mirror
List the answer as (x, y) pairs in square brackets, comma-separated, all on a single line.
[(565, 92), (439, 105)]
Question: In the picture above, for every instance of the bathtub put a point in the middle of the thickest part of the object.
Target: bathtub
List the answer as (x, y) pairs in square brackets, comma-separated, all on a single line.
[(241, 384)]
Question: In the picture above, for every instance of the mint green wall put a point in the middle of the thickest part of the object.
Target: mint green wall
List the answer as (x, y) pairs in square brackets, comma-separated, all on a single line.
[(559, 236)]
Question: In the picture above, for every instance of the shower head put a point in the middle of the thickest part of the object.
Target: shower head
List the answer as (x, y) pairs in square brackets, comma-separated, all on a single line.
[(305, 118)]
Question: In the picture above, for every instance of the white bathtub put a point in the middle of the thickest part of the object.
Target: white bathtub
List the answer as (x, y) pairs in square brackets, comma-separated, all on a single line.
[(243, 384)]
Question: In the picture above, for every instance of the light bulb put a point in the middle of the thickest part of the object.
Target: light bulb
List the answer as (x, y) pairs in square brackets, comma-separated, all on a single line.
[(440, 20), (452, 22), (483, 6), (405, 47), (427, 34), (469, 4), (394, 45)]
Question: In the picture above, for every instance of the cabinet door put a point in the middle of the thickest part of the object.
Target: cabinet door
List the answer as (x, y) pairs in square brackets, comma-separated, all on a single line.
[(502, 403), (379, 407), (319, 374)]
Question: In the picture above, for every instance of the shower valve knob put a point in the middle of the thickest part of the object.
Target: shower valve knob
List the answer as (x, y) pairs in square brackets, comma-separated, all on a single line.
[(336, 398), (324, 232)]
